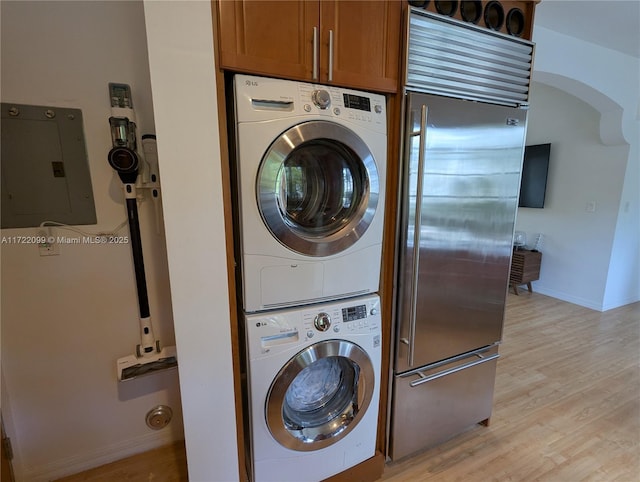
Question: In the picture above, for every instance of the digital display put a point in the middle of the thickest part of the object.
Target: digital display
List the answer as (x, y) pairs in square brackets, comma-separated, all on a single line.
[(357, 102), (354, 313)]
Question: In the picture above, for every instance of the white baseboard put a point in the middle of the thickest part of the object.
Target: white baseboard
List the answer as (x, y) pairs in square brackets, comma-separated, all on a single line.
[(587, 303), (620, 302), (96, 458), (576, 300)]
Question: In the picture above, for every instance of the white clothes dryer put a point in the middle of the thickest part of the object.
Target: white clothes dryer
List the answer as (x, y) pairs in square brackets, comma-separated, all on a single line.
[(314, 388), (311, 169)]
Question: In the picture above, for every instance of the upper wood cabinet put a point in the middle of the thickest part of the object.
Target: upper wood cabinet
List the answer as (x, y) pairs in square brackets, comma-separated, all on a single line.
[(347, 43)]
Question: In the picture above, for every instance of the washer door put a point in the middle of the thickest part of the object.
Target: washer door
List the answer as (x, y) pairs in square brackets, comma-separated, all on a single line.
[(320, 395), (317, 188)]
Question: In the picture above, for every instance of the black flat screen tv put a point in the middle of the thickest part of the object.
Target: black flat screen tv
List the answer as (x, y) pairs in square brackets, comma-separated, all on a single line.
[(535, 167)]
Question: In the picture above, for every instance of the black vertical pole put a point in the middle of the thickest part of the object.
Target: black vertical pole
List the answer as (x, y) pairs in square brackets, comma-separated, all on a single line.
[(138, 261)]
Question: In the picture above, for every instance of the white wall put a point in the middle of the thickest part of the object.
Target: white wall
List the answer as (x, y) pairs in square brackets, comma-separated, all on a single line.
[(610, 83), (181, 59), (577, 244), (66, 319)]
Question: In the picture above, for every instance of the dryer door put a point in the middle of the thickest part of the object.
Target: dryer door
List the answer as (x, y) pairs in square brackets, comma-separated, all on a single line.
[(317, 188), (320, 395)]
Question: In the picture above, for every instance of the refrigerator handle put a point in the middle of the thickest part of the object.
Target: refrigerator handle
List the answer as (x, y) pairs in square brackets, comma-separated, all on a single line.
[(416, 233), (424, 379)]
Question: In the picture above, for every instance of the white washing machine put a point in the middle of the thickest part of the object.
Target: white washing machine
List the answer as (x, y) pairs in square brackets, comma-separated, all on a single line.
[(314, 384), (311, 168)]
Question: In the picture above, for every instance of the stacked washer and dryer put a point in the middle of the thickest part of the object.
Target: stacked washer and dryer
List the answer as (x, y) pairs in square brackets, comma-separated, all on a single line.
[(310, 167)]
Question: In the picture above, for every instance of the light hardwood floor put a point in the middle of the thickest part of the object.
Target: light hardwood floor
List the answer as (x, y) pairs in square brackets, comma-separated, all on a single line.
[(165, 464), (566, 407)]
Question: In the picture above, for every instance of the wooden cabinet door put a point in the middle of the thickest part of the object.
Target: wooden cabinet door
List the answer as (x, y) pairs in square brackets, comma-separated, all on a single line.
[(366, 43), (273, 38)]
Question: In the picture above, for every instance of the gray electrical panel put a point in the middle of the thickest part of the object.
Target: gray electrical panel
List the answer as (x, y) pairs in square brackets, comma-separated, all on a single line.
[(45, 171)]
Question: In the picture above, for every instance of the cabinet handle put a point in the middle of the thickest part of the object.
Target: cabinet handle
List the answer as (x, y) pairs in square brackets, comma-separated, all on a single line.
[(315, 53), (330, 55)]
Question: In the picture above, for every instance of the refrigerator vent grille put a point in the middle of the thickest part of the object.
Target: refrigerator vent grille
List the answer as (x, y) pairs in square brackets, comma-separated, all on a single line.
[(447, 57)]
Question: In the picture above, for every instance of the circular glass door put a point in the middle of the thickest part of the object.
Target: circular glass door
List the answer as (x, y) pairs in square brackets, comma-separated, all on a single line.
[(320, 395), (317, 188)]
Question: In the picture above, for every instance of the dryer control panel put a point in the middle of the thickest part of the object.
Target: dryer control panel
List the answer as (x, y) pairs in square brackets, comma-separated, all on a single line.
[(363, 108), (262, 98)]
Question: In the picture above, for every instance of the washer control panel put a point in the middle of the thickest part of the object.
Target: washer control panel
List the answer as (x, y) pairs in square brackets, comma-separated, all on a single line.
[(274, 331), (322, 321), (353, 313), (351, 316)]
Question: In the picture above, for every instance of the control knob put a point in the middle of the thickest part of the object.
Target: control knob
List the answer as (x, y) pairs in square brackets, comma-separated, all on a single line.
[(322, 321), (321, 98)]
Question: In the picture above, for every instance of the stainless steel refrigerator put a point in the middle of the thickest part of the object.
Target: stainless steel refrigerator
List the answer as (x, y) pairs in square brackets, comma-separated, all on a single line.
[(462, 161)]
